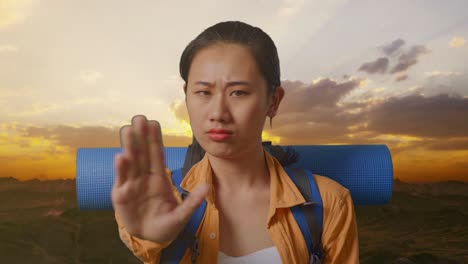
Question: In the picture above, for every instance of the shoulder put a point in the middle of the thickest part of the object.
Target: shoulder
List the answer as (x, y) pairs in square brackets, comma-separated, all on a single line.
[(337, 204), (333, 194), (339, 233)]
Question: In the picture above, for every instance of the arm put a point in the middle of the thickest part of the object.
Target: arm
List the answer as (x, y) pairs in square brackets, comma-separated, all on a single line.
[(145, 250), (340, 236)]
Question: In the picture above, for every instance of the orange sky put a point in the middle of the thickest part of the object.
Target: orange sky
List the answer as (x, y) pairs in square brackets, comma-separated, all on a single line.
[(49, 153), (354, 72)]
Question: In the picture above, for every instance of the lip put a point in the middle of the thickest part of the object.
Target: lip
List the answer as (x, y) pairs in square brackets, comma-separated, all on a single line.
[(217, 134), (219, 131)]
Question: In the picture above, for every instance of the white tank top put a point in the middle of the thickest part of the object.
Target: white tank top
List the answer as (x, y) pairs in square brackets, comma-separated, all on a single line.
[(267, 255)]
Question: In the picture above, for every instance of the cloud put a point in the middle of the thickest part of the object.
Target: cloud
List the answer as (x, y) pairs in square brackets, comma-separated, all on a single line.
[(409, 58), (290, 7), (8, 48), (15, 11), (90, 136), (393, 47), (449, 144), (401, 77), (380, 65), (457, 42), (313, 105), (310, 113), (316, 113), (378, 89), (321, 93), (48, 152), (179, 110), (442, 73), (91, 77), (77, 137), (433, 122), (405, 59), (445, 82), (439, 116), (37, 109)]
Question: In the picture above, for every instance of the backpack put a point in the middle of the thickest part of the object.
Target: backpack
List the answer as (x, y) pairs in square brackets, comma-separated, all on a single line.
[(309, 217)]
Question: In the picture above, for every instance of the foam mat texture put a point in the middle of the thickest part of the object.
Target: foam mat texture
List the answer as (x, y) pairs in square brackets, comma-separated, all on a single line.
[(366, 170)]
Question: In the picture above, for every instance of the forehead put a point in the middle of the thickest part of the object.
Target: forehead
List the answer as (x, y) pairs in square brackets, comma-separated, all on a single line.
[(224, 61)]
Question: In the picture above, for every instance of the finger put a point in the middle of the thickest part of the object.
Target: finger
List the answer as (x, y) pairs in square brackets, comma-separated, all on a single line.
[(141, 132), (121, 134), (156, 148), (128, 150), (159, 134), (120, 170), (183, 212)]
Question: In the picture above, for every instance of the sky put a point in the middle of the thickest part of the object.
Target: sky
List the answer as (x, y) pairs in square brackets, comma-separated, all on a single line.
[(355, 72)]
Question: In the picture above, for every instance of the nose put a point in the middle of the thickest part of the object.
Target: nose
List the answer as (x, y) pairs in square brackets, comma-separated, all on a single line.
[(220, 110)]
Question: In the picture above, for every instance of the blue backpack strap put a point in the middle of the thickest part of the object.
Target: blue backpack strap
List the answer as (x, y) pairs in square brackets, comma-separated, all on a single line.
[(310, 220), (186, 239)]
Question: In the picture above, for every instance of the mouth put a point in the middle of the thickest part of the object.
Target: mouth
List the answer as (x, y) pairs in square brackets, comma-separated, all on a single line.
[(219, 134)]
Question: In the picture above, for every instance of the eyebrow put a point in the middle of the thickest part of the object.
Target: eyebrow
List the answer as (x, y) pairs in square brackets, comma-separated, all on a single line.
[(232, 83)]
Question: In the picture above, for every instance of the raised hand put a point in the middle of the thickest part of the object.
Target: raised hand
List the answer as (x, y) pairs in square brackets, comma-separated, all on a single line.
[(142, 194)]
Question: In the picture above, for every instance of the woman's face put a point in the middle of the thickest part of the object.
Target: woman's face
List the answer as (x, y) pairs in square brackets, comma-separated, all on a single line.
[(227, 100)]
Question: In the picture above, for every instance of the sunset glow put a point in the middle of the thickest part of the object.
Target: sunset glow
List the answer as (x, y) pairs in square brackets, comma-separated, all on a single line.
[(72, 74)]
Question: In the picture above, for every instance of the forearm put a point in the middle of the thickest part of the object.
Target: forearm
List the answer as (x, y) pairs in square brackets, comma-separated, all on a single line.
[(145, 250)]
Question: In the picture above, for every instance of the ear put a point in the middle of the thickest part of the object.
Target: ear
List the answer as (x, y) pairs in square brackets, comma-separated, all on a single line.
[(185, 90), (275, 100)]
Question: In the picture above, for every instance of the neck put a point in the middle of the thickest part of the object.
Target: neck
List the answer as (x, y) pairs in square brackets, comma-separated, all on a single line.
[(242, 173)]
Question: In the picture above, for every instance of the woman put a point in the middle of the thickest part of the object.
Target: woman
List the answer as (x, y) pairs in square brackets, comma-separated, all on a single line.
[(232, 83)]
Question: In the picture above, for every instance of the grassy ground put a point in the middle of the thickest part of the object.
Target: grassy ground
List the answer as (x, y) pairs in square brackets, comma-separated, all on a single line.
[(40, 223)]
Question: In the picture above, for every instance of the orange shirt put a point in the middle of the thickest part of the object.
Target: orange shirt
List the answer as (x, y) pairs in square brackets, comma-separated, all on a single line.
[(339, 237)]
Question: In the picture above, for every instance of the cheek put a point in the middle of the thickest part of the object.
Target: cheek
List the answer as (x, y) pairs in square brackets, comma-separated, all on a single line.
[(193, 112), (196, 116), (254, 115)]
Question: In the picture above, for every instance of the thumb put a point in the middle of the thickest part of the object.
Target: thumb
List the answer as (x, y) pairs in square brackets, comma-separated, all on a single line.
[(184, 211)]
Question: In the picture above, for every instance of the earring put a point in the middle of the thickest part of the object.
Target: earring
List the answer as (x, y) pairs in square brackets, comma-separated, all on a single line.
[(271, 114)]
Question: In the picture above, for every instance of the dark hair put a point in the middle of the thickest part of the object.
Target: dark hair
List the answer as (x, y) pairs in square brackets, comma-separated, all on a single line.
[(261, 46), (264, 51)]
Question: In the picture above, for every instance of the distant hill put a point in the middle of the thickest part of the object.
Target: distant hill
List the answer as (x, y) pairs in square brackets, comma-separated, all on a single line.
[(40, 223), (435, 189)]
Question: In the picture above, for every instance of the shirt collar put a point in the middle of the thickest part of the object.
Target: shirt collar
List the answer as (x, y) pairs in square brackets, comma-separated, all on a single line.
[(201, 172), (283, 192)]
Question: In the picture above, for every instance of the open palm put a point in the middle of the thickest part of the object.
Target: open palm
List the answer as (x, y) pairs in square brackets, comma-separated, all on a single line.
[(142, 194)]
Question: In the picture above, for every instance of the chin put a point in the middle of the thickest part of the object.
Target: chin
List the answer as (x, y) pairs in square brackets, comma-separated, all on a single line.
[(220, 149)]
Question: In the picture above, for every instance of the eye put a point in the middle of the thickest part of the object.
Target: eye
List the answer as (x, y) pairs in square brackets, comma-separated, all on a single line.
[(238, 93), (203, 93)]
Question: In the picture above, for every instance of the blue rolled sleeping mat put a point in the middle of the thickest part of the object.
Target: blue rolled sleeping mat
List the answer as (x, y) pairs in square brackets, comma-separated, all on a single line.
[(366, 170)]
